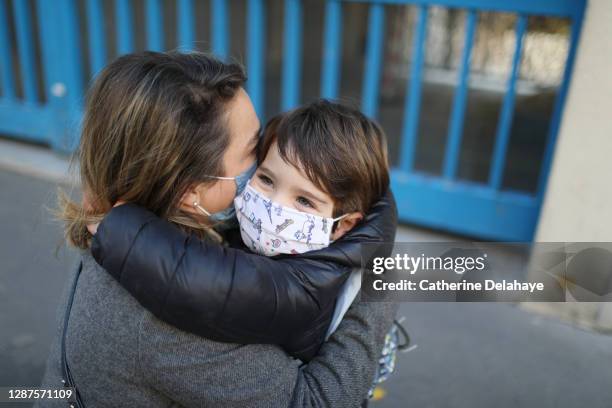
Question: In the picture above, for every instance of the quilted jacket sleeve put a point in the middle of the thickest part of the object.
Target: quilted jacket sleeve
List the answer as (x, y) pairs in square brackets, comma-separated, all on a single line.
[(228, 294)]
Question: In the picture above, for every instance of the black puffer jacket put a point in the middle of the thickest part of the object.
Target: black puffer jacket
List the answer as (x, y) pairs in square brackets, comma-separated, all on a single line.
[(232, 295)]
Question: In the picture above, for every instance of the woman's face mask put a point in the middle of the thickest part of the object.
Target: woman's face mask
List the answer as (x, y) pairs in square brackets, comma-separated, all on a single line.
[(241, 181), (269, 228)]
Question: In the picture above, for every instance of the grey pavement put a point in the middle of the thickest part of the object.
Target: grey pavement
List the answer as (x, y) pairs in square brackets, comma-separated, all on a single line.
[(468, 355), (476, 355), (33, 267)]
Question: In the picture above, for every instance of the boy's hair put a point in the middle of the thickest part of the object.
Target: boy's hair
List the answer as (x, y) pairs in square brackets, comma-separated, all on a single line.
[(338, 148)]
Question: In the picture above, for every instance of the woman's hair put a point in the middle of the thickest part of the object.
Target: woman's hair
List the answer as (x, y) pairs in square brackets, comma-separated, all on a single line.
[(154, 125), (338, 148)]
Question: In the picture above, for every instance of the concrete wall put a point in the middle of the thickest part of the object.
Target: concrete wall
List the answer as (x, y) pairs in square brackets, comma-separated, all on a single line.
[(577, 206), (578, 201)]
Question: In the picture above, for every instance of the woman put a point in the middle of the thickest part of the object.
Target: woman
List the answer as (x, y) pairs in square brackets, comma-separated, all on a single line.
[(166, 132)]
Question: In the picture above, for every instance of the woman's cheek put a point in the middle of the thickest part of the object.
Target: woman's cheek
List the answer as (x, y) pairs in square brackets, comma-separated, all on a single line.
[(221, 195)]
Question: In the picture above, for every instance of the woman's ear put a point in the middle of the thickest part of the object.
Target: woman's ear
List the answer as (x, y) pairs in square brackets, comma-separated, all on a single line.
[(346, 224), (192, 195)]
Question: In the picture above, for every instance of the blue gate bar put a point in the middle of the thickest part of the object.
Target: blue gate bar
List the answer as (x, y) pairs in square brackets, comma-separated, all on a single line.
[(504, 124), (256, 54), (220, 28), (50, 44), (413, 102), (332, 50), (374, 54), (25, 46), (555, 120), (555, 8), (71, 74), (155, 25), (453, 145), (292, 60), (6, 60), (185, 25), (125, 37), (97, 39)]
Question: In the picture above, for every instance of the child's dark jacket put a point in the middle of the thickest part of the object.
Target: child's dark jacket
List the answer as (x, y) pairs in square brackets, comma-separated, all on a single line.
[(231, 295)]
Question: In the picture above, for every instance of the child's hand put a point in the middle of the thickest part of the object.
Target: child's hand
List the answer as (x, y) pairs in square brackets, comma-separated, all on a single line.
[(93, 227), (88, 208)]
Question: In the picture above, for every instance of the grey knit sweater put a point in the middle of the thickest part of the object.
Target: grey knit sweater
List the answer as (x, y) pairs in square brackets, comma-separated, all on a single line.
[(122, 356)]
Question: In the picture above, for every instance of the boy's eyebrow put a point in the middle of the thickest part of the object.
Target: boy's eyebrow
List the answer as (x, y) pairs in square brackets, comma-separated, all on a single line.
[(264, 169), (308, 194)]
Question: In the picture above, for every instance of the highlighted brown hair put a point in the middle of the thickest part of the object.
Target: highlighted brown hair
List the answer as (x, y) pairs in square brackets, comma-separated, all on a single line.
[(154, 125), (338, 148)]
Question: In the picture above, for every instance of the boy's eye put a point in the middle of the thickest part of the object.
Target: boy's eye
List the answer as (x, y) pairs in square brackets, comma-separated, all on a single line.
[(304, 202), (265, 179)]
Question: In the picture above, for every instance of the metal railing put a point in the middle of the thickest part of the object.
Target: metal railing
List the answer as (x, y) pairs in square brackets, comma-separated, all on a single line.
[(485, 210)]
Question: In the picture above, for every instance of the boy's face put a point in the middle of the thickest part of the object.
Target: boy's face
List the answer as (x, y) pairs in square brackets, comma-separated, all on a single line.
[(285, 184)]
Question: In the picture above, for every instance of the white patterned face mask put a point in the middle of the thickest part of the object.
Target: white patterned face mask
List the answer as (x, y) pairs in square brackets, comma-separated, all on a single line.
[(269, 228)]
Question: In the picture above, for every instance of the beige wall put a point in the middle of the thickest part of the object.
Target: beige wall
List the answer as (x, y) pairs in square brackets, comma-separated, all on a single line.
[(578, 201)]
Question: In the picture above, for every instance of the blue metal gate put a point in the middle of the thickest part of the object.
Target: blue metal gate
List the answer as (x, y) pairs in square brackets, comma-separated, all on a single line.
[(49, 109), (47, 113)]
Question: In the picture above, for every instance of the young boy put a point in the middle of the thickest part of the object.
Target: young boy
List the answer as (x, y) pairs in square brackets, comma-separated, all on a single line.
[(322, 167)]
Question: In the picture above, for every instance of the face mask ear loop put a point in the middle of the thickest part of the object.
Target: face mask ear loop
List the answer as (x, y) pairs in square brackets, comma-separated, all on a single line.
[(334, 225), (197, 206), (222, 178), (339, 218)]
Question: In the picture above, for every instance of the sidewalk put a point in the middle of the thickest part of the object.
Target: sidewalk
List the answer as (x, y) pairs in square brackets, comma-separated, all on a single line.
[(469, 355), (33, 160), (32, 276)]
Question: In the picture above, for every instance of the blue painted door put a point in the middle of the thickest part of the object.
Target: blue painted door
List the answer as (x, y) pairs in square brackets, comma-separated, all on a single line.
[(40, 71), (52, 49)]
